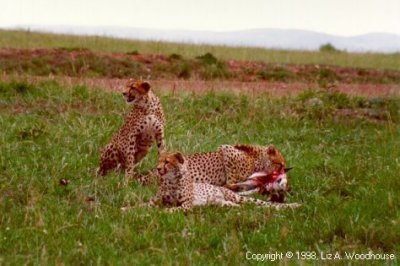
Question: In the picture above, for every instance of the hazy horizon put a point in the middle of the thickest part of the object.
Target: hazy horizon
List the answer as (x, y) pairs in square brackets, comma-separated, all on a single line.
[(287, 39), (38, 26), (339, 17)]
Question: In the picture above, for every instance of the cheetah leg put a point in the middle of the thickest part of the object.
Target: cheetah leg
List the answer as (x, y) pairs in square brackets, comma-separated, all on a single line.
[(140, 155), (248, 192), (108, 159), (142, 148), (227, 203), (130, 161), (130, 157), (231, 196), (159, 137), (154, 201), (185, 207), (129, 171)]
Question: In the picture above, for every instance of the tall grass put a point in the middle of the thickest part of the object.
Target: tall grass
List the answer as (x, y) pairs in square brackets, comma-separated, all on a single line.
[(346, 176), (27, 39)]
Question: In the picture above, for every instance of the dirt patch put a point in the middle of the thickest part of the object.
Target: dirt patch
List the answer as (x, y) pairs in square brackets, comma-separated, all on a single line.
[(274, 89), (86, 63)]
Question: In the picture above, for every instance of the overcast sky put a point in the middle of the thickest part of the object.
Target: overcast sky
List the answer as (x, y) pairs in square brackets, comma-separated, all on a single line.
[(340, 17)]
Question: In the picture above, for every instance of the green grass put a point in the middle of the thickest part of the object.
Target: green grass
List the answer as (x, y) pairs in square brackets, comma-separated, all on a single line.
[(346, 175), (27, 39)]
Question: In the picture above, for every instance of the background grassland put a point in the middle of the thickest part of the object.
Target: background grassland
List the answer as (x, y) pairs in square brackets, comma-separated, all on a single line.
[(346, 176), (27, 39)]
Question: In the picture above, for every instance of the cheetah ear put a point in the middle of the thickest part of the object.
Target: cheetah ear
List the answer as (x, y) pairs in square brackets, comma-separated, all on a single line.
[(271, 150), (145, 86), (179, 157)]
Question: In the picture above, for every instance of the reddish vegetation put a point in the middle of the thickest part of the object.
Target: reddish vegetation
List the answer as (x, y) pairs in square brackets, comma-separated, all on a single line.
[(110, 70), (275, 89)]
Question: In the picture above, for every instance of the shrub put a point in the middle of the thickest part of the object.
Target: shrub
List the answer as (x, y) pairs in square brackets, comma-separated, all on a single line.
[(328, 47), (184, 71), (15, 88), (276, 74), (175, 56), (211, 67), (208, 59), (134, 52)]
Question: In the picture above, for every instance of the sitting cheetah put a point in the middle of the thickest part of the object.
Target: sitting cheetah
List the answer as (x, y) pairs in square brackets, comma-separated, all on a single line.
[(233, 164), (177, 188), (132, 141)]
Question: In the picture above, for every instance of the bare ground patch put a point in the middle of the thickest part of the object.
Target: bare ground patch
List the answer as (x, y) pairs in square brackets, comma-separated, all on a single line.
[(275, 89)]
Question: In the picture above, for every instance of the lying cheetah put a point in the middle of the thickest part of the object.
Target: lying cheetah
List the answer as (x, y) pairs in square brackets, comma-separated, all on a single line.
[(178, 190), (233, 164), (132, 141)]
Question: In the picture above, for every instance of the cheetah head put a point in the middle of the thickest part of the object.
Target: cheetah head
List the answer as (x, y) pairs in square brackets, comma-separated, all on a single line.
[(171, 165), (276, 159), (135, 90), (269, 159), (271, 178)]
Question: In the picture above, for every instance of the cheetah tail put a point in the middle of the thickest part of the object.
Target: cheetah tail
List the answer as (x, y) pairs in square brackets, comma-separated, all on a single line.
[(269, 204), (255, 201)]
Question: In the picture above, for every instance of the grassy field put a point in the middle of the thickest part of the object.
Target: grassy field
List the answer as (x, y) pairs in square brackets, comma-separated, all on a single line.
[(27, 39), (346, 174)]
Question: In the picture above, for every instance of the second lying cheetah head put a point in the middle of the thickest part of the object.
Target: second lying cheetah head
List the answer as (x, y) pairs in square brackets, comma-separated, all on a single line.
[(171, 165)]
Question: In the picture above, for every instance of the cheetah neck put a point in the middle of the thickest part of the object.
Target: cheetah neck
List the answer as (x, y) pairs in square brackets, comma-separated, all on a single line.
[(262, 162), (148, 103), (181, 177), (174, 186), (143, 103), (173, 177)]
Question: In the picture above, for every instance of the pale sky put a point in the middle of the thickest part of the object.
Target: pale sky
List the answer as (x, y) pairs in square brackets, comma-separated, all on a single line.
[(339, 17)]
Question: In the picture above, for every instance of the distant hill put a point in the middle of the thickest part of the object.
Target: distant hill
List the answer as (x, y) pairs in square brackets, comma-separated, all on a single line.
[(266, 38)]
